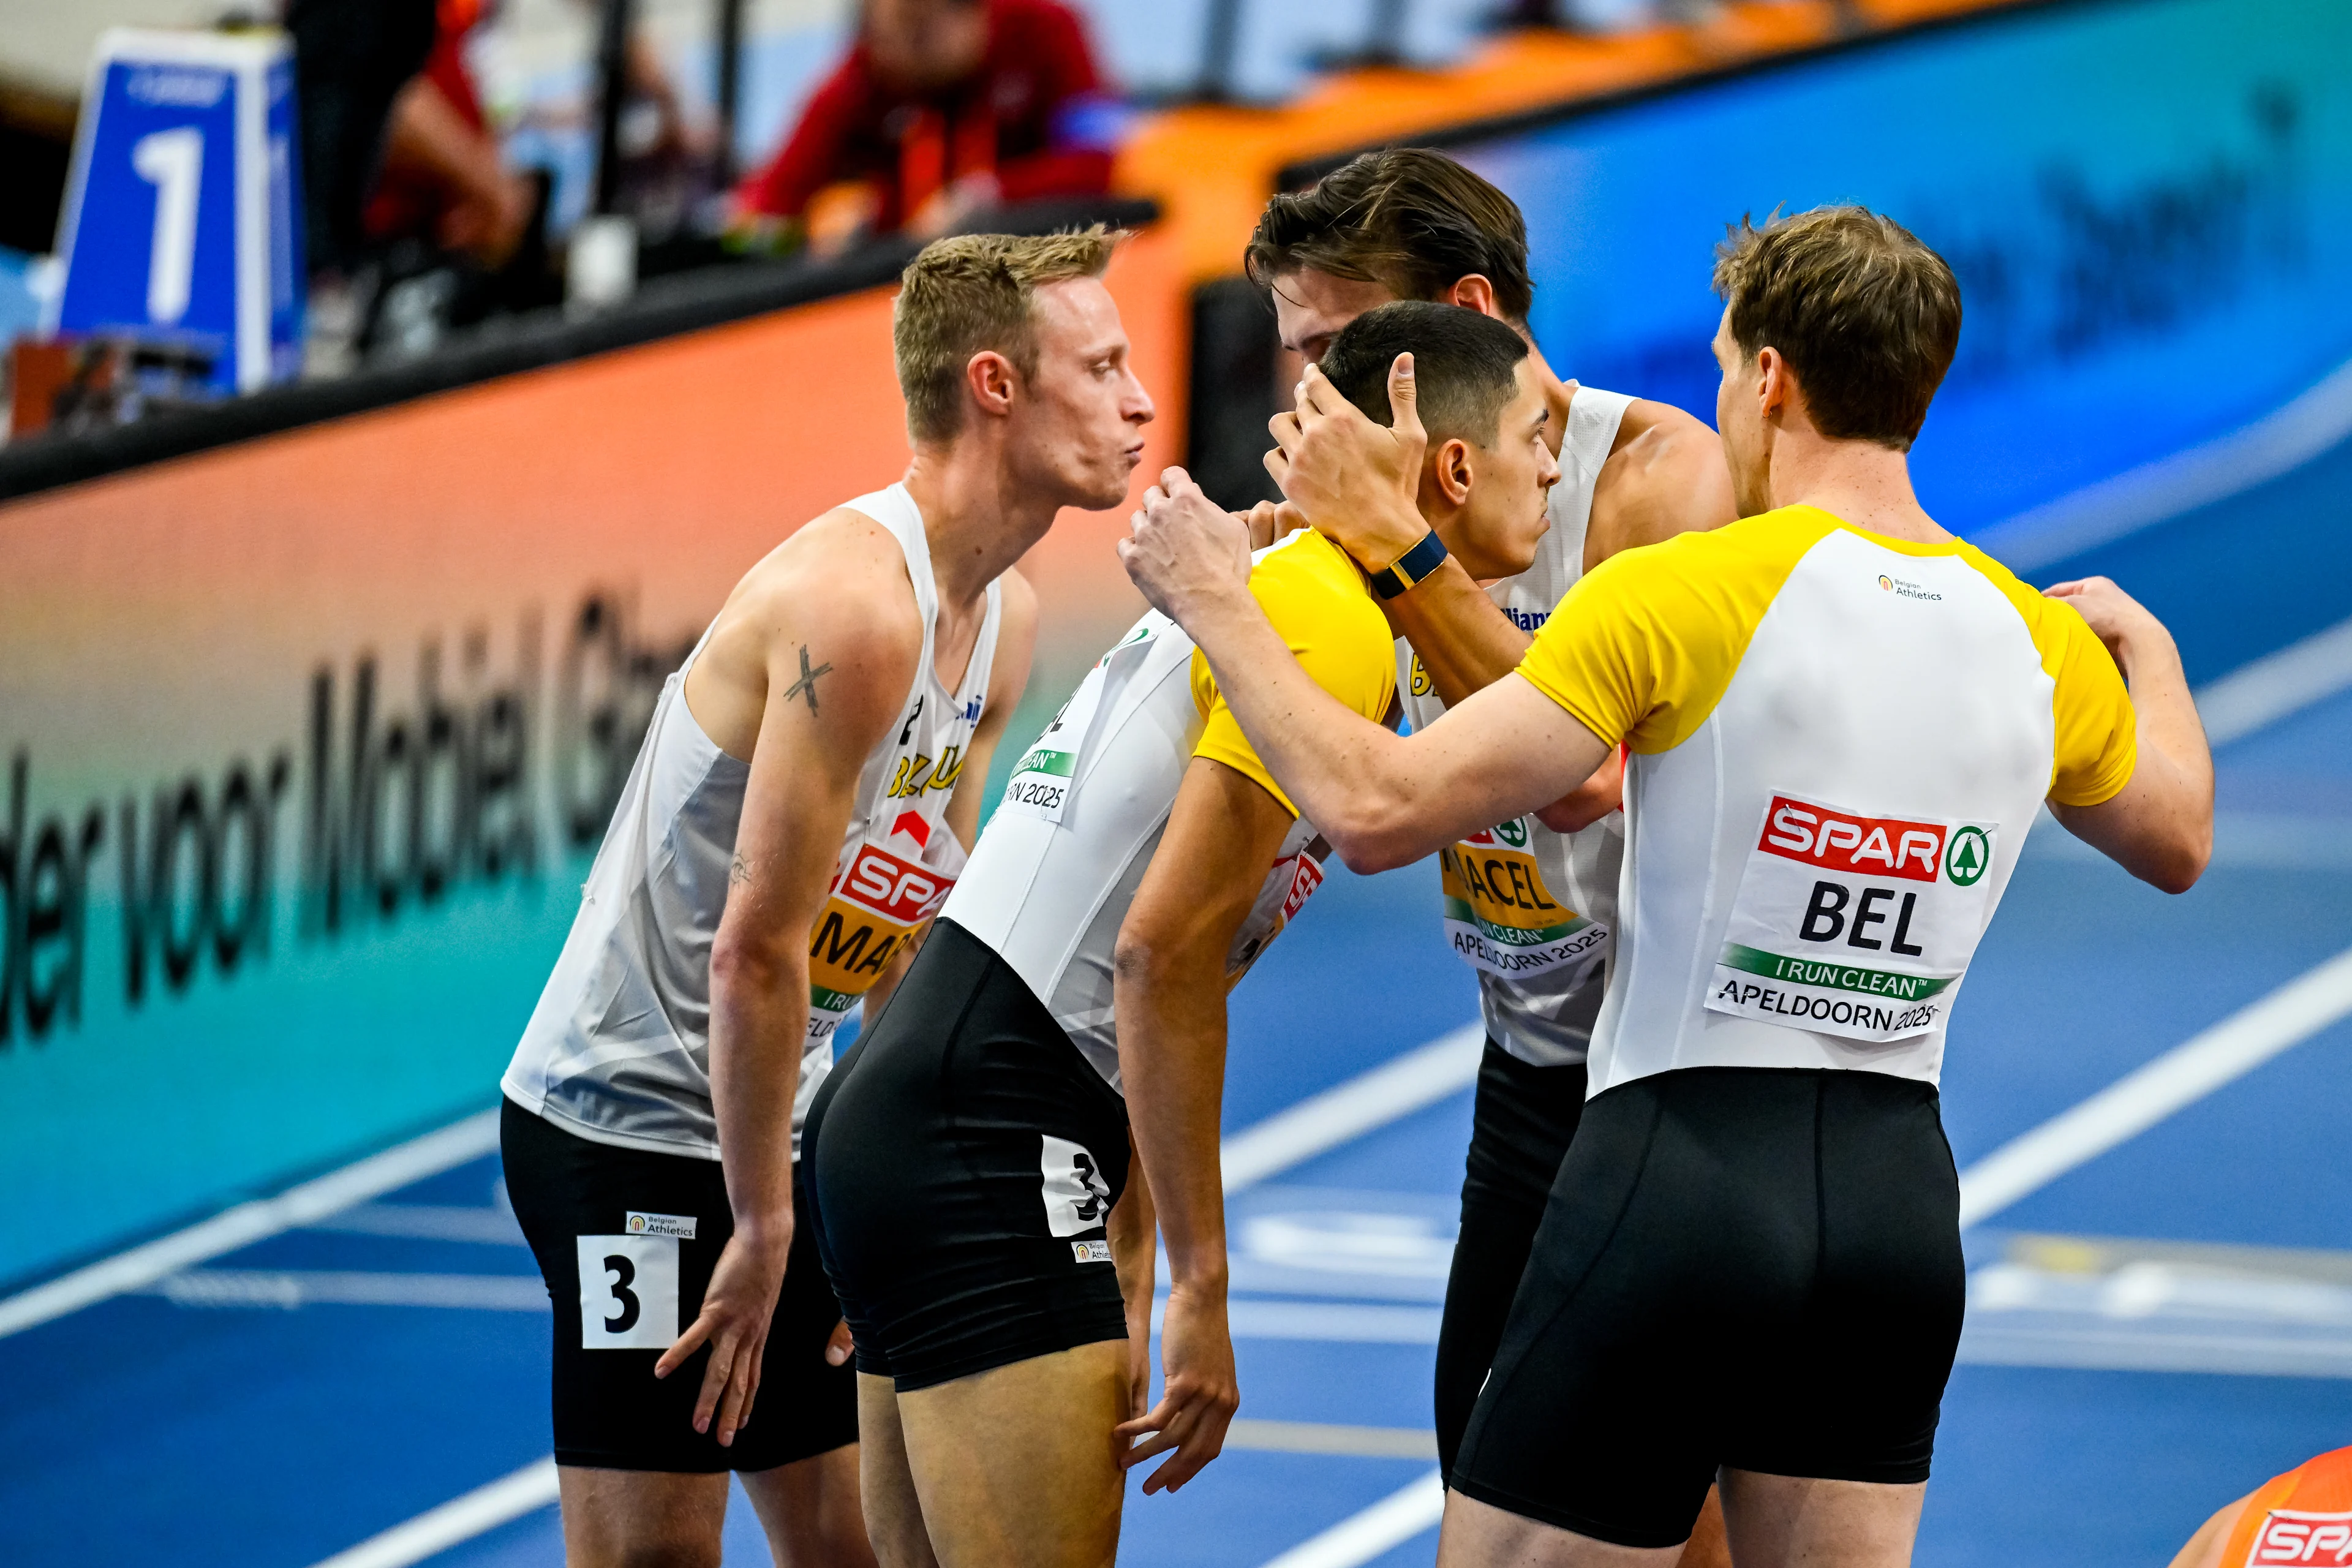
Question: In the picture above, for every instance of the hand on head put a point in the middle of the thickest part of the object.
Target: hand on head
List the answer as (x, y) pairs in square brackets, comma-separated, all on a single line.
[(1357, 481), (1183, 550)]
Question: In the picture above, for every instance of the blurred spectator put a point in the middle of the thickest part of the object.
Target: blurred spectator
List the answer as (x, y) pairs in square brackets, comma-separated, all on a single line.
[(351, 61), (443, 179), (943, 109)]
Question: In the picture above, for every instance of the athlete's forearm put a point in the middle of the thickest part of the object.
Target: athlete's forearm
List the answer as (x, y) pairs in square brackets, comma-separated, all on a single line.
[(1131, 1228), (759, 1025), (1464, 641), (2173, 749), (1172, 1053)]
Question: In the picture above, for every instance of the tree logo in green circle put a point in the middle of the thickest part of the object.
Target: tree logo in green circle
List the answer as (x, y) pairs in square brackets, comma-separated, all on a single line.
[(1968, 857), (1513, 833)]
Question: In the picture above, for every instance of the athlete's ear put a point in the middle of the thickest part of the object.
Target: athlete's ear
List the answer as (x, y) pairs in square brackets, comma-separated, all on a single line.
[(1450, 471), (1775, 382), (1474, 292), (990, 379)]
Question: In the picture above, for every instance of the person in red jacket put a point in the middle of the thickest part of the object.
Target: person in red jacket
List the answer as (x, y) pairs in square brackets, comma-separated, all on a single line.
[(942, 108)]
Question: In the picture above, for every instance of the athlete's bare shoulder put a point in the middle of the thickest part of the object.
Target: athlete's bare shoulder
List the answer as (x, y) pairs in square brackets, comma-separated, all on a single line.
[(1665, 475), (831, 613)]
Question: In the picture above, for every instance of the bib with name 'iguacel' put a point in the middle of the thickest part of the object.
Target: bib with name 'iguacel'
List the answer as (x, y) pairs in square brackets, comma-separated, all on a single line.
[(1530, 909), (1839, 741)]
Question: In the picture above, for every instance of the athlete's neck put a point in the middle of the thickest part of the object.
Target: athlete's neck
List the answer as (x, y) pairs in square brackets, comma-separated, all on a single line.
[(1859, 482), (978, 520), (1557, 395)]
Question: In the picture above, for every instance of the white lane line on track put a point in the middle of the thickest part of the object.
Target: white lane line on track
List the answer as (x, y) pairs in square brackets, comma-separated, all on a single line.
[(289, 1290), (2257, 695), (1399, 1086), (2113, 508), (1386, 1525), (527, 1490), (1327, 1437), (247, 1223), (2139, 1100)]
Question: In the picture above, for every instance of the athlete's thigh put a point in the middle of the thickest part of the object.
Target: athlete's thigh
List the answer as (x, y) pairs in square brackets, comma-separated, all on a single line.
[(1480, 1535), (1776, 1520), (894, 1515), (1017, 1466), (810, 1510), (618, 1518)]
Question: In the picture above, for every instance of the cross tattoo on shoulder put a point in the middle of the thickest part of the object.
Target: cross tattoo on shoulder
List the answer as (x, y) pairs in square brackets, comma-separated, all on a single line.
[(806, 685)]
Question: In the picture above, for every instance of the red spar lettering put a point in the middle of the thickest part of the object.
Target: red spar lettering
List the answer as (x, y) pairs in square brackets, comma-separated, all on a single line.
[(2290, 1536), (1858, 846), (899, 890), (1303, 883)]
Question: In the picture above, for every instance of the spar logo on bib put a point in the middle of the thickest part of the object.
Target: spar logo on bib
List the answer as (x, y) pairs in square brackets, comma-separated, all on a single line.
[(1854, 923), (2289, 1536), (876, 904)]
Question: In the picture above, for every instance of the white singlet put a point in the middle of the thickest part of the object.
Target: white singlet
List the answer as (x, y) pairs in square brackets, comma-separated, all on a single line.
[(1528, 908), (1839, 742), (618, 1049), (1053, 872)]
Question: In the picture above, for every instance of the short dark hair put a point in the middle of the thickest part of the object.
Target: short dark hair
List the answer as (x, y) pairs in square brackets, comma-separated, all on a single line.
[(1867, 316), (1408, 218), (1463, 366)]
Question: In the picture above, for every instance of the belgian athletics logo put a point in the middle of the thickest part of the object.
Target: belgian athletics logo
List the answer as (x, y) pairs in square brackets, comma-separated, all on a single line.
[(1887, 583), (1966, 857)]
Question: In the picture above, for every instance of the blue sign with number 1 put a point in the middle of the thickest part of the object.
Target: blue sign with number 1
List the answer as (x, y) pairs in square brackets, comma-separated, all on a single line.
[(183, 223)]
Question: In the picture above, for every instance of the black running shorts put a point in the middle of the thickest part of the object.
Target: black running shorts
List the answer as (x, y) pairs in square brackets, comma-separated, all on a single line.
[(645, 1230), (963, 1161), (1751, 1267), (1520, 1125)]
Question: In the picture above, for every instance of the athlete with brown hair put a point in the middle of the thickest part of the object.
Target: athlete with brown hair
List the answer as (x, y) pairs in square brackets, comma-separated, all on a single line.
[(791, 824), (1844, 722), (1530, 904)]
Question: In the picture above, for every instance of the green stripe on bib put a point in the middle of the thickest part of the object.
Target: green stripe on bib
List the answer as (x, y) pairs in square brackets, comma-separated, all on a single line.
[(1831, 976)]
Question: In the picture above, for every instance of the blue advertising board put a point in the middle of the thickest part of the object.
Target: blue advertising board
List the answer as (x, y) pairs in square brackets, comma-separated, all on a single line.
[(2147, 204), (183, 221)]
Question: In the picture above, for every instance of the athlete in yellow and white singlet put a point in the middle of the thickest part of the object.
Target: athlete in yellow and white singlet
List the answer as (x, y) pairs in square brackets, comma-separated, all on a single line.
[(1844, 722)]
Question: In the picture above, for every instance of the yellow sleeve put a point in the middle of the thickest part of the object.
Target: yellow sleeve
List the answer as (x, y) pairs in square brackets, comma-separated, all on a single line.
[(2097, 735), (1317, 601), (1643, 644)]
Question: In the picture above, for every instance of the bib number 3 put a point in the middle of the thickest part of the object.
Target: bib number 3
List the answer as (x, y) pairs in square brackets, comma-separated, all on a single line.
[(628, 1292)]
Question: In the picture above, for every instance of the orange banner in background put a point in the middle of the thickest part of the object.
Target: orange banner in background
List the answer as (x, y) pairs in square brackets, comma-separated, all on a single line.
[(305, 741)]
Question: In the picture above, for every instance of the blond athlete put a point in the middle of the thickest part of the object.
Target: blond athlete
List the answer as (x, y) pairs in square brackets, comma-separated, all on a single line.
[(792, 823), (1843, 724)]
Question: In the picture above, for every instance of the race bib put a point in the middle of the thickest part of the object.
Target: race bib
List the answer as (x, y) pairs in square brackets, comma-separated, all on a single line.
[(877, 906), (1042, 780), (1499, 915), (1854, 925)]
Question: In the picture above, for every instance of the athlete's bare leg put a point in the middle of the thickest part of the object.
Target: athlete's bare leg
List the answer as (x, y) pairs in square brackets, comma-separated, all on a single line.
[(641, 1519), (810, 1510), (894, 1517), (1016, 1468), (1774, 1519), (1480, 1535)]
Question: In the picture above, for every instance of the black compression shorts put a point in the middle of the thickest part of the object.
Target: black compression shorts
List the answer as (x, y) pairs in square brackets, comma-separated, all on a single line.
[(618, 1216), (1520, 1125), (1751, 1267), (963, 1161)]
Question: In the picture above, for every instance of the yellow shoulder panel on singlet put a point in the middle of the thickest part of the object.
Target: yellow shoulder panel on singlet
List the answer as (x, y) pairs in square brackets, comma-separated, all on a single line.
[(1644, 645), (1318, 602), (2097, 737)]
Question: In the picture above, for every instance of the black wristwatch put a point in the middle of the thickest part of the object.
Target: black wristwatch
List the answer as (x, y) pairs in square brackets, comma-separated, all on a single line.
[(1410, 567)]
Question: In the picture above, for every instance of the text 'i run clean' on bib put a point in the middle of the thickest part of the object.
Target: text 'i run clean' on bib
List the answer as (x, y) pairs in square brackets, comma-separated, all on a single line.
[(1854, 924)]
